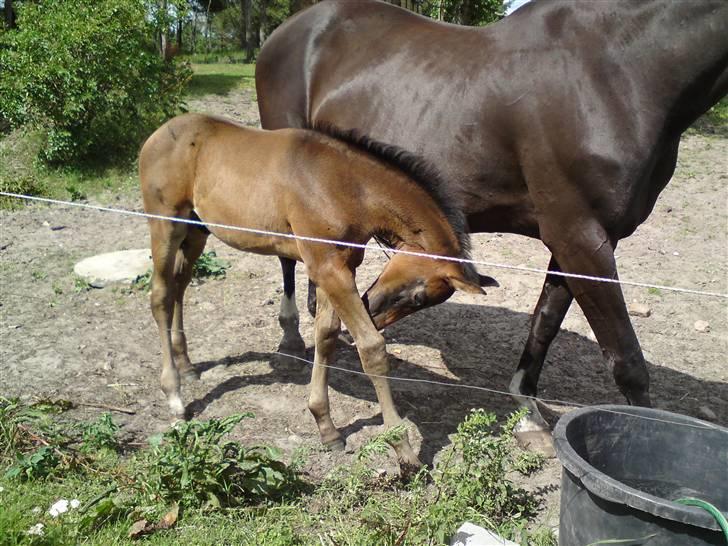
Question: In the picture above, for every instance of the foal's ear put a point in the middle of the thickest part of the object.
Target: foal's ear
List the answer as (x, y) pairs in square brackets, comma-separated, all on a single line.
[(485, 280), (458, 283)]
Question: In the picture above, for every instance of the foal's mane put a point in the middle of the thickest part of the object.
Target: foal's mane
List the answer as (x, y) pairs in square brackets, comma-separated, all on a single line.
[(417, 169)]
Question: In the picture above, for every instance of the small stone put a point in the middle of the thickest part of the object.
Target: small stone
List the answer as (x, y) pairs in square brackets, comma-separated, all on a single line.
[(97, 284), (470, 534), (702, 326), (639, 310), (676, 253), (706, 413)]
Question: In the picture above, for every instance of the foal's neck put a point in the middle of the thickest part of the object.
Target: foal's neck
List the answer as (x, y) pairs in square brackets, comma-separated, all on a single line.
[(407, 216)]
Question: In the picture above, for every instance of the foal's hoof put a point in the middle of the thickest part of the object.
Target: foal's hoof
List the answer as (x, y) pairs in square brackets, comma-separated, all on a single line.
[(337, 444), (537, 441), (408, 470)]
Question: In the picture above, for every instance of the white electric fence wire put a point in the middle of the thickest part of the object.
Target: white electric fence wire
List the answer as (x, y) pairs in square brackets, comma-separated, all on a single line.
[(366, 246), (554, 401)]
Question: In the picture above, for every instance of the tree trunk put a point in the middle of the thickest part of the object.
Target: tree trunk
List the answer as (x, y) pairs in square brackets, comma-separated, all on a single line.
[(179, 35), (467, 13), (163, 31), (298, 5), (9, 15), (247, 9), (263, 21)]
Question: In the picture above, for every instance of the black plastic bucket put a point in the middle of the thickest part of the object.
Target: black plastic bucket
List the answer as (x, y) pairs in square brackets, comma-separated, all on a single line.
[(623, 468)]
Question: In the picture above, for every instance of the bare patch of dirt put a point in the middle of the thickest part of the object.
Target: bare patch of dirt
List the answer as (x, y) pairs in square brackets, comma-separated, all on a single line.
[(101, 346)]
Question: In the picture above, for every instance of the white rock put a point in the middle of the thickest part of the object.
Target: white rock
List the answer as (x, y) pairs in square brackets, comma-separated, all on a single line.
[(470, 534), (702, 326), (122, 266), (639, 310)]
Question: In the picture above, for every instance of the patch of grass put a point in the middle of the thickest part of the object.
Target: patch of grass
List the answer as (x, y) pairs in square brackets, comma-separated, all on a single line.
[(224, 492), (220, 79), (715, 120), (219, 57), (652, 291)]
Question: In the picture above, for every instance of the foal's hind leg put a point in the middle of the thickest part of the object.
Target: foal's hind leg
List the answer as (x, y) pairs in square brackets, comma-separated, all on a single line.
[(166, 239), (327, 326), (189, 251), (292, 342)]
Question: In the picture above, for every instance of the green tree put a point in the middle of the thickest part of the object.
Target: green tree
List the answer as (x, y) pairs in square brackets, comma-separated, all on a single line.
[(88, 72)]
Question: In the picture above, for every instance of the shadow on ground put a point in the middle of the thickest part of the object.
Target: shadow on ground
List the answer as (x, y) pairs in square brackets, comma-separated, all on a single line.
[(478, 347)]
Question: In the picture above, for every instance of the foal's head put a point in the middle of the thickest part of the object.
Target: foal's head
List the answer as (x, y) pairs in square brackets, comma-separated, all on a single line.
[(410, 283)]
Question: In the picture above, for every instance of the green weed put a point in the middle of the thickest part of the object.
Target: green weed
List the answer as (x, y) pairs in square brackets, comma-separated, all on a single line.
[(100, 434), (192, 465), (208, 265), (81, 285)]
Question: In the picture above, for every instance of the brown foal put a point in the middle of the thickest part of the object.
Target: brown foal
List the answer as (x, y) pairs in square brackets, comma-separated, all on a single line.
[(290, 181)]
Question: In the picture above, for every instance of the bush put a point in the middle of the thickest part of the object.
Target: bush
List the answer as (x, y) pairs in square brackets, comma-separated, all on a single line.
[(87, 72)]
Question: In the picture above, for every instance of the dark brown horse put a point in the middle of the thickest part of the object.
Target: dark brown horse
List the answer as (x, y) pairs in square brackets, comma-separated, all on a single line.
[(290, 182), (561, 122)]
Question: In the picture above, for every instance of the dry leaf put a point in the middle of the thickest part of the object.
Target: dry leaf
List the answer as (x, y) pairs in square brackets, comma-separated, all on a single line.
[(170, 518), (139, 528)]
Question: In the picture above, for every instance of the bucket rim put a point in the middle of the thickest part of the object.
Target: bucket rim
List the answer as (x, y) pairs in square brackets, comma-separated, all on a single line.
[(611, 489)]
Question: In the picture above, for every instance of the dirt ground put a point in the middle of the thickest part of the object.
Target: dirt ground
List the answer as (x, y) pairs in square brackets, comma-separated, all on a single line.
[(101, 346)]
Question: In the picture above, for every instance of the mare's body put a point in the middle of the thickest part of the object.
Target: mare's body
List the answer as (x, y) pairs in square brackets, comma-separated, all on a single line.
[(561, 122)]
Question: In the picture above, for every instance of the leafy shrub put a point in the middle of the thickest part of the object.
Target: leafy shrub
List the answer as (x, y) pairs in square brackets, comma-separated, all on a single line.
[(87, 72), (19, 151), (192, 465)]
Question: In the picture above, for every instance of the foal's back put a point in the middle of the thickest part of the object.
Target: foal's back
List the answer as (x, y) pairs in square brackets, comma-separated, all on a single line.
[(282, 181)]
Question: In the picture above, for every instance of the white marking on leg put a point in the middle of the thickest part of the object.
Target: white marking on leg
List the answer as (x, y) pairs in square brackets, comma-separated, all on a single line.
[(289, 311), (176, 406)]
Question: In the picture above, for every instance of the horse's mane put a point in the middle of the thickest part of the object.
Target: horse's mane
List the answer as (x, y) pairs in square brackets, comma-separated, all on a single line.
[(417, 169)]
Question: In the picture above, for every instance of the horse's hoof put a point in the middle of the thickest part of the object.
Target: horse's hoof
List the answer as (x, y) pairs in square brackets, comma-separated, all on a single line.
[(337, 445), (537, 441), (345, 337), (190, 374), (291, 357), (409, 469)]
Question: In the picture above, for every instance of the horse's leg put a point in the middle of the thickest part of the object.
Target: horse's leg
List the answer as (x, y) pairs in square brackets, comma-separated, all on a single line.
[(340, 287), (292, 342), (312, 295), (588, 250), (189, 251), (532, 431), (166, 238), (327, 325)]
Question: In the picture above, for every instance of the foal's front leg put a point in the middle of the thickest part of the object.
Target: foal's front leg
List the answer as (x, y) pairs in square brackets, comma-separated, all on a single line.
[(341, 291)]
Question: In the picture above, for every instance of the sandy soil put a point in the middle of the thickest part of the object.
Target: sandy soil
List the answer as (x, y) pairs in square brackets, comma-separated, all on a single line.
[(101, 347)]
